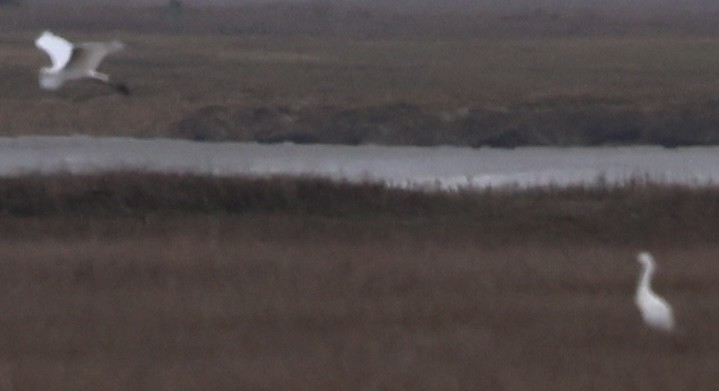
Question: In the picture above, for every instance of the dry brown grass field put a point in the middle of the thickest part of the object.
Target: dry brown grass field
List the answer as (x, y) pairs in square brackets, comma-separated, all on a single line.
[(308, 75), (138, 282)]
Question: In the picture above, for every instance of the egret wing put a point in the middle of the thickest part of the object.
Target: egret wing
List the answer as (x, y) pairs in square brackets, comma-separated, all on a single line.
[(89, 55), (59, 49)]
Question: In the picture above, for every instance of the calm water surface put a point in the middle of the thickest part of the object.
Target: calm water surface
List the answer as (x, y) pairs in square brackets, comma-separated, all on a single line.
[(441, 167)]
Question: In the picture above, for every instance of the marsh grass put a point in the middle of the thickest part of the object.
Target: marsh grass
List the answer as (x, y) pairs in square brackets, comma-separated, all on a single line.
[(636, 210), (137, 281)]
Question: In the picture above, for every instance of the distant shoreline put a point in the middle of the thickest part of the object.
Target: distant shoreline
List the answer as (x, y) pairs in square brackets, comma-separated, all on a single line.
[(568, 123)]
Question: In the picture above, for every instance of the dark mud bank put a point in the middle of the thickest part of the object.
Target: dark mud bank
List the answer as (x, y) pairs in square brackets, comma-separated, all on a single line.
[(550, 122)]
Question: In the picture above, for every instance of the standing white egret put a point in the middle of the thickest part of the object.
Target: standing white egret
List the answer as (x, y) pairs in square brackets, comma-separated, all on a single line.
[(75, 62), (656, 312)]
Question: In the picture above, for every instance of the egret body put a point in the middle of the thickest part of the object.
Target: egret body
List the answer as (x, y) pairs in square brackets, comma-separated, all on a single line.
[(655, 311)]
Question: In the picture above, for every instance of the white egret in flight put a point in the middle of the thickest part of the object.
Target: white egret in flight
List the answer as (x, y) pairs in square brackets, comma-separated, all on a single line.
[(75, 62), (655, 311)]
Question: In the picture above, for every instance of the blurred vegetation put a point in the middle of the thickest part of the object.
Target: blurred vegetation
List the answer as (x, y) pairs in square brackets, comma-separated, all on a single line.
[(164, 282), (633, 211)]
